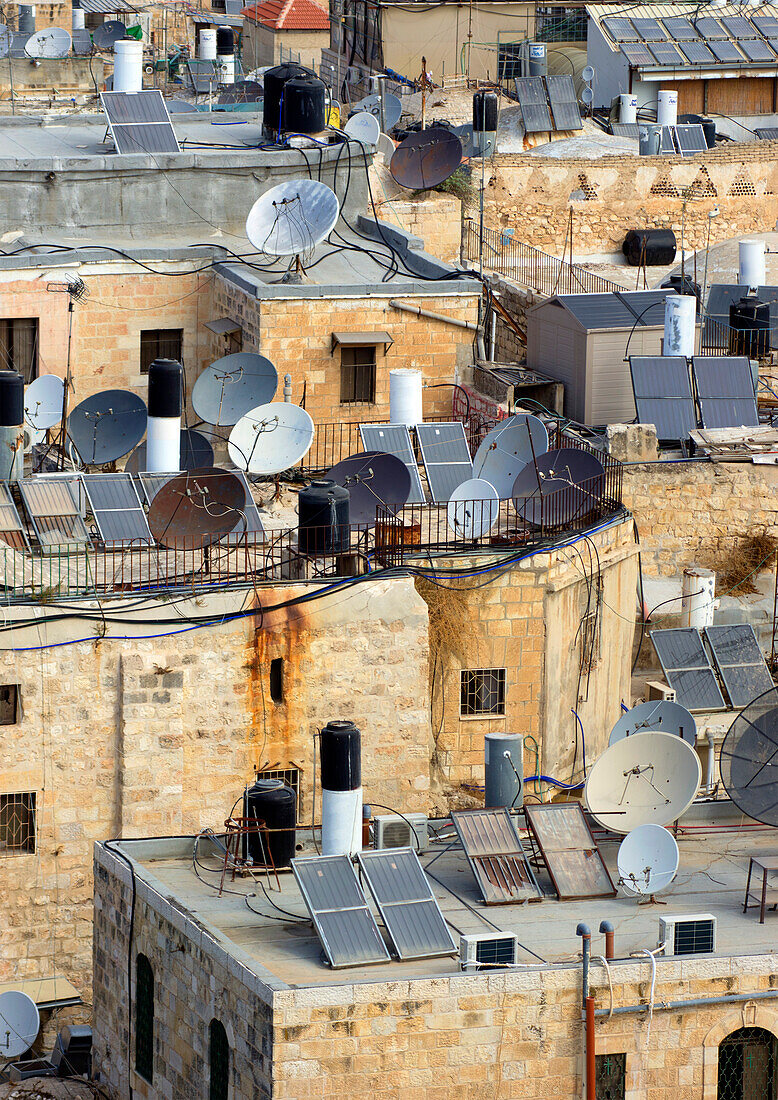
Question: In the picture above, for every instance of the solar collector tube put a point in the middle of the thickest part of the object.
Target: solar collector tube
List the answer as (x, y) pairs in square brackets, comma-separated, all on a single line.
[(11, 425), (340, 750), (163, 429)]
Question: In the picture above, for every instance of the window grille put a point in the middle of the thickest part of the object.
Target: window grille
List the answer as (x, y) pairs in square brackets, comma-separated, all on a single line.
[(219, 1062), (357, 375), (290, 776), (747, 1065), (144, 1018), (610, 1076), (17, 822), (19, 346), (482, 692)]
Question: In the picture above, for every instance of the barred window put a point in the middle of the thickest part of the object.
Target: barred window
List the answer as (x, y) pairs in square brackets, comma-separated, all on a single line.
[(17, 822), (277, 679), (748, 1065), (357, 375), (144, 1018), (219, 1062), (160, 343), (610, 1076), (482, 692), (9, 704)]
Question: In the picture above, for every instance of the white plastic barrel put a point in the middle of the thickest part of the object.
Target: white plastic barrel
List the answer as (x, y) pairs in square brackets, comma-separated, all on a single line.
[(127, 65), (77, 19), (667, 108), (680, 318), (699, 593), (405, 405), (751, 263), (207, 44), (628, 108)]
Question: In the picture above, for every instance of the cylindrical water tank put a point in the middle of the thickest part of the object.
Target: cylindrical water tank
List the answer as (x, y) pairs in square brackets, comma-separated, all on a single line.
[(127, 65), (751, 263), (77, 18), (649, 139), (568, 61), (273, 83), (537, 59), (11, 425), (484, 112), (628, 108), (305, 105), (680, 320), (699, 591), (503, 760), (667, 108), (653, 247), (340, 752), (26, 19), (225, 42), (405, 404), (749, 327), (275, 804), (207, 44), (323, 519), (163, 429)]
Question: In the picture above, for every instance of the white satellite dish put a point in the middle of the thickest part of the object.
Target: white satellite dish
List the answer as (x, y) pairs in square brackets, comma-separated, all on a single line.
[(19, 1023), (659, 714), (363, 127), (6, 40), (271, 438), (473, 508), (43, 401), (385, 146), (292, 217), (647, 860), (507, 448), (393, 108), (51, 42), (646, 779), (587, 95), (588, 74)]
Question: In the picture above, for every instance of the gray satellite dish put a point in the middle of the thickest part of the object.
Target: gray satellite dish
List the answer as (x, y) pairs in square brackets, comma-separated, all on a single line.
[(385, 146), (363, 127), (196, 453), (473, 508), (6, 40), (232, 386), (180, 107), (393, 108), (749, 759), (292, 217), (558, 487), (588, 74), (51, 42), (659, 715), (108, 33), (506, 450), (647, 860), (43, 400), (587, 96), (271, 438), (107, 426), (19, 1023)]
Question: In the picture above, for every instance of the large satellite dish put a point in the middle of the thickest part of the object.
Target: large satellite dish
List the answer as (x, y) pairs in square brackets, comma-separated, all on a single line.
[(51, 42), (647, 860), (180, 107), (646, 779), (473, 508), (385, 146), (427, 158), (363, 127), (660, 714), (107, 426), (271, 438), (374, 479), (749, 759), (43, 401), (196, 453), (292, 217), (242, 91), (558, 487), (196, 508), (6, 40), (507, 448), (232, 386), (108, 33), (19, 1023), (393, 108)]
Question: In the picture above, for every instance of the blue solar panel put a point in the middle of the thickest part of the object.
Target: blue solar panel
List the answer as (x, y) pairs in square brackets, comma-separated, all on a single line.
[(394, 439), (725, 390), (663, 394)]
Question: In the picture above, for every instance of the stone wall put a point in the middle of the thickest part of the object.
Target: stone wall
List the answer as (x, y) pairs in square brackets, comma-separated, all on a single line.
[(435, 218), (518, 301)]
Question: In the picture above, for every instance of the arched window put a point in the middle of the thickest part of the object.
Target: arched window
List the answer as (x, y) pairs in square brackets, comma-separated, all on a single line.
[(747, 1065), (144, 1018), (218, 1062)]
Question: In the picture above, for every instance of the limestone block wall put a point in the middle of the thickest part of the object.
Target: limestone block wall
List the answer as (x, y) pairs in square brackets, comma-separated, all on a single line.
[(435, 217)]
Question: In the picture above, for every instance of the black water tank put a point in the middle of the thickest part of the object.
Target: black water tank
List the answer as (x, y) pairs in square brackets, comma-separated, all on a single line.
[(659, 246), (305, 105), (225, 42), (708, 127), (323, 519), (274, 81), (272, 802), (684, 285), (340, 752), (749, 327), (484, 112), (11, 399)]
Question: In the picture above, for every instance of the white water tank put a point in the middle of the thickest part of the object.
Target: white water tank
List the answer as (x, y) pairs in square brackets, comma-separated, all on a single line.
[(538, 64), (628, 108), (751, 263), (699, 593), (207, 44), (405, 405), (127, 65), (77, 17), (680, 317), (667, 108)]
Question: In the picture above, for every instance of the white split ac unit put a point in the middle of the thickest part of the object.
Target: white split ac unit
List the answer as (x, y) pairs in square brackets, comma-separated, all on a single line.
[(690, 934), (409, 831), (488, 951)]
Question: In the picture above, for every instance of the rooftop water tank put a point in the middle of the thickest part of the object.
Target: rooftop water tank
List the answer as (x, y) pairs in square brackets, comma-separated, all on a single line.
[(654, 247), (305, 105), (749, 327), (274, 81), (323, 519), (272, 802)]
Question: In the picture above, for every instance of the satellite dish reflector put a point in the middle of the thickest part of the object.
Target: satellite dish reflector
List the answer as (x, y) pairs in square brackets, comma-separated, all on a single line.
[(292, 217), (196, 508), (587, 96), (180, 107), (393, 108), (507, 448), (385, 146), (588, 74), (271, 438), (426, 158), (242, 91), (363, 127), (473, 508), (108, 33), (647, 860), (196, 453), (559, 487), (107, 426), (749, 759), (659, 715), (51, 42), (374, 479), (646, 779), (6, 40), (19, 1023), (43, 401), (232, 386)]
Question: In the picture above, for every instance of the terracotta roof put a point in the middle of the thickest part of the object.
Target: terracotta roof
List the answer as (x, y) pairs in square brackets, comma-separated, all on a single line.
[(289, 15)]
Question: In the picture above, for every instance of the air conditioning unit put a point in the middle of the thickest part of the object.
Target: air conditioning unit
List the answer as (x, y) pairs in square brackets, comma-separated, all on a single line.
[(488, 951), (691, 934), (393, 831)]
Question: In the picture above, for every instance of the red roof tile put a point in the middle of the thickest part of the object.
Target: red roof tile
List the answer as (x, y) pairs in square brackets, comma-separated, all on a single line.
[(289, 15)]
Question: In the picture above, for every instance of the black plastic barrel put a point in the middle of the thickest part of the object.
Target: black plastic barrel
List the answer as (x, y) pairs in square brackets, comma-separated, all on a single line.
[(654, 247), (484, 112), (11, 399), (275, 804), (323, 519), (749, 327), (273, 82), (305, 105), (165, 377), (225, 42), (683, 285), (340, 752), (708, 127)]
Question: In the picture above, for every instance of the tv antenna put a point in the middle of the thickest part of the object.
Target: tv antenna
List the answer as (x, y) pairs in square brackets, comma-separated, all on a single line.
[(77, 291)]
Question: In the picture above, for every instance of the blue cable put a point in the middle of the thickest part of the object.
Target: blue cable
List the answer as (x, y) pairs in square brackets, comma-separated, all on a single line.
[(555, 782)]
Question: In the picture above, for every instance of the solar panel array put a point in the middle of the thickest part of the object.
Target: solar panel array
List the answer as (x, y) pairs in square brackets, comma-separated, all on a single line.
[(767, 133), (687, 669), (12, 532), (650, 30), (697, 53), (726, 52), (532, 99), (394, 439), (494, 850), (666, 53), (446, 457), (548, 103), (54, 505), (139, 122), (564, 102), (408, 908), (117, 509), (663, 394), (676, 41), (740, 662), (690, 139), (725, 391)]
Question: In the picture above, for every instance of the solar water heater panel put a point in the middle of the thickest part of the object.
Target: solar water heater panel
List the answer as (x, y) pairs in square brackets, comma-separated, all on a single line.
[(139, 122), (408, 907), (738, 26), (564, 102), (574, 862), (663, 394), (697, 53), (727, 53), (687, 668), (680, 29), (710, 28), (637, 54), (117, 509), (54, 506), (446, 457), (495, 853), (394, 439), (620, 29), (690, 139), (531, 91), (666, 53), (740, 662), (756, 50), (650, 30), (725, 390), (12, 532)]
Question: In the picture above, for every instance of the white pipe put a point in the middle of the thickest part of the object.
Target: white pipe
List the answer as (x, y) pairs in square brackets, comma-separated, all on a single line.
[(751, 263), (341, 822), (127, 65), (680, 316), (432, 316), (698, 603), (405, 402), (667, 108), (710, 781), (163, 444)]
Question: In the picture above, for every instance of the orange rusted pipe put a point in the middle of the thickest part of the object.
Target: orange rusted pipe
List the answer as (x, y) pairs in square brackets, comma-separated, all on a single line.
[(590, 1050)]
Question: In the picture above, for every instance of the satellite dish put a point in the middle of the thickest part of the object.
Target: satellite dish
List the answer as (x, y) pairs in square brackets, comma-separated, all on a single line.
[(180, 107), (108, 33), (647, 860), (82, 42), (587, 96), (196, 453), (271, 438), (107, 426), (242, 91), (43, 401), (588, 74), (749, 759), (559, 487), (196, 508), (426, 158), (646, 779), (659, 715), (473, 508), (363, 127), (19, 1023), (374, 479), (292, 217), (393, 108), (51, 42), (507, 448), (232, 386), (6, 40), (385, 146)]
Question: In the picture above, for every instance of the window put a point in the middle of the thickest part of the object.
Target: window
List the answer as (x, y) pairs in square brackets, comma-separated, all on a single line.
[(482, 692), (19, 346), (747, 1065), (610, 1075), (277, 679), (509, 60), (357, 375), (144, 1018), (219, 1062), (160, 343), (17, 822), (9, 704)]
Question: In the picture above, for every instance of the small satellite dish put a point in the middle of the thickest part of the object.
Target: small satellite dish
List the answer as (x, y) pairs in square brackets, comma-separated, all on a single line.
[(180, 107), (385, 146), (271, 438), (232, 386), (749, 759), (473, 508), (196, 453), (292, 217), (393, 108), (558, 487), (646, 779), (659, 715), (107, 426), (647, 860), (588, 74), (51, 42), (374, 479), (242, 91), (43, 400), (587, 96), (108, 33), (196, 509), (426, 158), (19, 1023), (363, 127), (6, 40), (507, 448)]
